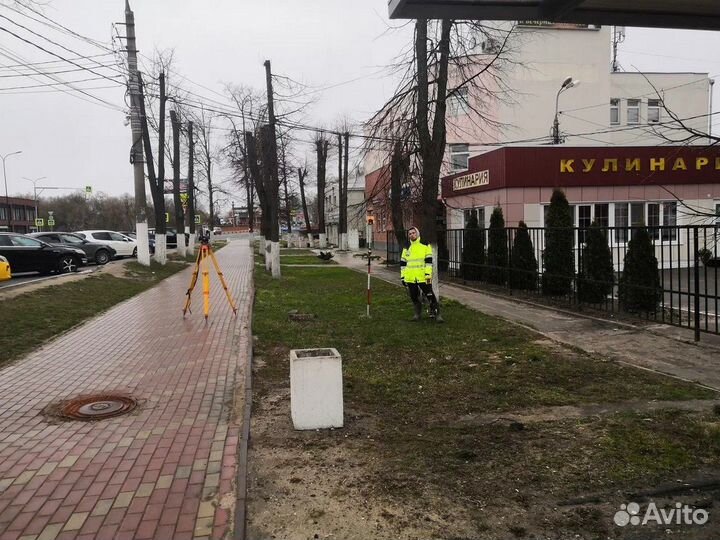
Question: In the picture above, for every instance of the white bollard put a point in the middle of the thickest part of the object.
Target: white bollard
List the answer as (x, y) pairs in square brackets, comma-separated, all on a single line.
[(316, 388)]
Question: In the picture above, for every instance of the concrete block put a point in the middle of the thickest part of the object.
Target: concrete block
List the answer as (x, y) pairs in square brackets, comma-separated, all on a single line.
[(316, 388)]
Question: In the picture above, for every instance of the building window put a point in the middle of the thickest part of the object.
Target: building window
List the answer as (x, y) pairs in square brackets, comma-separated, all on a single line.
[(19, 214), (637, 214), (669, 219), (584, 221), (633, 111), (457, 103), (3, 213), (479, 213), (602, 214), (653, 114), (459, 155), (614, 112), (621, 222), (653, 212)]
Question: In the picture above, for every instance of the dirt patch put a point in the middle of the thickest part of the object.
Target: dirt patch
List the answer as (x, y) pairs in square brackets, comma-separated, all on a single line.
[(343, 484)]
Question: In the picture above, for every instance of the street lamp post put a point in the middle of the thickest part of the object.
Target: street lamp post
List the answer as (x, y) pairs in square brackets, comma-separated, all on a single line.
[(567, 83), (34, 183), (7, 197)]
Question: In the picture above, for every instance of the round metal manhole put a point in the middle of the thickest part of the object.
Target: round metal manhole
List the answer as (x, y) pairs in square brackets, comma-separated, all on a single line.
[(93, 407)]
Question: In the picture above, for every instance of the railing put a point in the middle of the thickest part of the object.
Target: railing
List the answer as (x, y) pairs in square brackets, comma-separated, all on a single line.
[(684, 292)]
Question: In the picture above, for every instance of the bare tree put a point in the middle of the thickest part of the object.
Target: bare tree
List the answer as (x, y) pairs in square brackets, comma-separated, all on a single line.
[(302, 174), (444, 64)]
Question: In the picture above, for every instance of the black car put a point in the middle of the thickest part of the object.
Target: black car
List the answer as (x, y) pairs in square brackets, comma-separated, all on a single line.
[(95, 251), (170, 237), (26, 254)]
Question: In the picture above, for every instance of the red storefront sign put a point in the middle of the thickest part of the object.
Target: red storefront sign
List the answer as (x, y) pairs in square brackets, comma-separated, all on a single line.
[(559, 166)]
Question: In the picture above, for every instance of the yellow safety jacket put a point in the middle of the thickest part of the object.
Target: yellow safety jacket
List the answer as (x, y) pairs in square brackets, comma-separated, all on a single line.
[(416, 262)]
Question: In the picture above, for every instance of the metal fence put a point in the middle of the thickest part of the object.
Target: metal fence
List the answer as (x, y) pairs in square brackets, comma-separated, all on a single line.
[(685, 293)]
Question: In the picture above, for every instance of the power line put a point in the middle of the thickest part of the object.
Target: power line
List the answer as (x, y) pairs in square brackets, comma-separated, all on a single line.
[(604, 104), (55, 90), (56, 61), (74, 70), (56, 44), (17, 58), (56, 25), (51, 84)]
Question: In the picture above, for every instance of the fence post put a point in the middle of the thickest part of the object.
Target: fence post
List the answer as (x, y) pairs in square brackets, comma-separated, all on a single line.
[(508, 261), (696, 257)]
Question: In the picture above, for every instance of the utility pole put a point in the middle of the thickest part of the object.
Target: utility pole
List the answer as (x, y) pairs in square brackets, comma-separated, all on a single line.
[(136, 152), (7, 197), (271, 154), (338, 205), (344, 198), (35, 195), (191, 184)]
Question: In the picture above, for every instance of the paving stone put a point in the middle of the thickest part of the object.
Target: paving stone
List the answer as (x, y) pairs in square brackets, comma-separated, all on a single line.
[(104, 479), (76, 521)]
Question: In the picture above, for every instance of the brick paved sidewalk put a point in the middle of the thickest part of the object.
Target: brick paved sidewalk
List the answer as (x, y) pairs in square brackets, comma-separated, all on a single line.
[(167, 470)]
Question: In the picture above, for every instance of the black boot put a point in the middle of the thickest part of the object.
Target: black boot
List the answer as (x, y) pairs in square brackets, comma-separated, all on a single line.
[(435, 314), (417, 306)]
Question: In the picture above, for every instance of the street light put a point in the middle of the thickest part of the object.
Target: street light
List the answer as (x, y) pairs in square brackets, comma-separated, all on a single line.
[(7, 197), (567, 83), (34, 183)]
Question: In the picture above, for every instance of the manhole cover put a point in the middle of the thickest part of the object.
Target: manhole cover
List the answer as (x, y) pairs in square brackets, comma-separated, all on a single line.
[(93, 407)]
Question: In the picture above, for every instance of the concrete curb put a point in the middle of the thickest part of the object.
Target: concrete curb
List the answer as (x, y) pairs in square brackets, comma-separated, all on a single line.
[(242, 470)]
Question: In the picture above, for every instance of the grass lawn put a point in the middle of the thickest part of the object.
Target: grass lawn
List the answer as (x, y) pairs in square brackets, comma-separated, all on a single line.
[(412, 391), (30, 319), (288, 258)]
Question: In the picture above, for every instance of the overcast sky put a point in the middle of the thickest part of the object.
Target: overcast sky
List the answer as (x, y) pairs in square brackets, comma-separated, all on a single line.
[(76, 142)]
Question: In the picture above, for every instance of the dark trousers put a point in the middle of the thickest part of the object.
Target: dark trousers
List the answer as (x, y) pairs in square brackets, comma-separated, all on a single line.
[(414, 290)]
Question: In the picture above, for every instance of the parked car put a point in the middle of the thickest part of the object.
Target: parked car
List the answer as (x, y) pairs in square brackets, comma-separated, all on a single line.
[(133, 235), (124, 246), (170, 237), (95, 251), (26, 254), (5, 273), (217, 230)]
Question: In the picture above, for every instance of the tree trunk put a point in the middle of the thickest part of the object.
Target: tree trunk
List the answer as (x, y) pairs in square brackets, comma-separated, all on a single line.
[(191, 187), (256, 174), (302, 173), (321, 149), (399, 165), (156, 185), (179, 217), (431, 145), (344, 197), (270, 186)]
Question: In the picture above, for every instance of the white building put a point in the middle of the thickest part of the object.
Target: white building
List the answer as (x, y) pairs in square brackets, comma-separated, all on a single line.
[(355, 211), (605, 108)]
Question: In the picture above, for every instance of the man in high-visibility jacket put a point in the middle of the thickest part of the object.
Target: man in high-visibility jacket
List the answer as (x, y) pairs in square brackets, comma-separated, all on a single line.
[(416, 274)]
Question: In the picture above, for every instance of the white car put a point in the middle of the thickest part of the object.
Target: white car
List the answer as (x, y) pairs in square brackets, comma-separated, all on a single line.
[(123, 245)]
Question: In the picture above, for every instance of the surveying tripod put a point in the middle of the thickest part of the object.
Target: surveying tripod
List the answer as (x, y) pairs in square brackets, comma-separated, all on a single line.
[(201, 264)]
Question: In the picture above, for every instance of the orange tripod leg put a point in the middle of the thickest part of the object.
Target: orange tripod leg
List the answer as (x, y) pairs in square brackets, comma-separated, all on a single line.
[(193, 281)]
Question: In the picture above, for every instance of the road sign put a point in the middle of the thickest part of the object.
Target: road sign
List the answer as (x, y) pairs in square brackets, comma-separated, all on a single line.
[(51, 222), (197, 220), (88, 189), (39, 222)]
